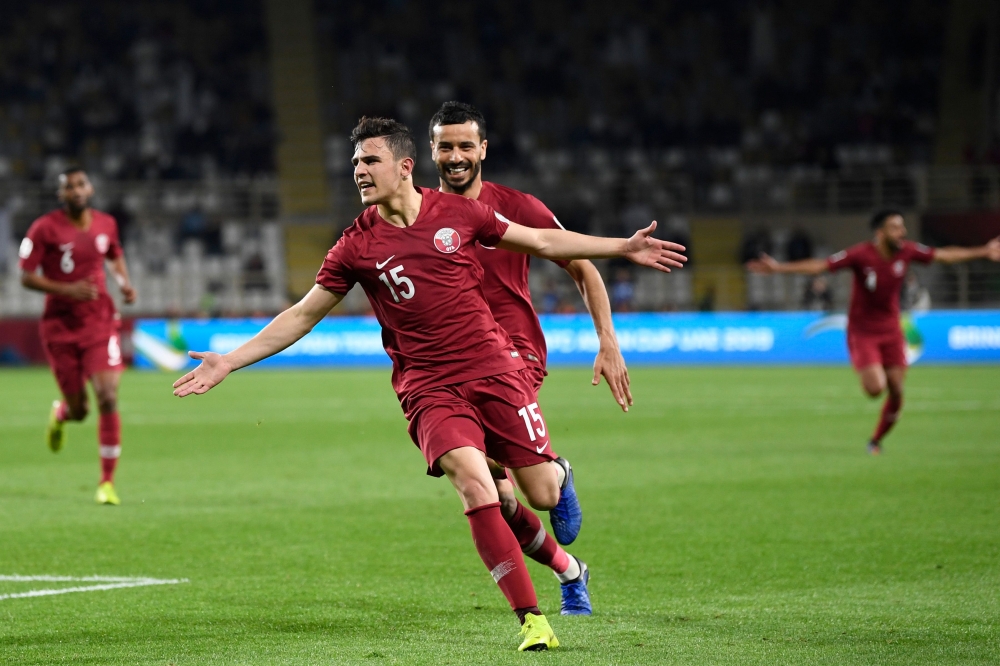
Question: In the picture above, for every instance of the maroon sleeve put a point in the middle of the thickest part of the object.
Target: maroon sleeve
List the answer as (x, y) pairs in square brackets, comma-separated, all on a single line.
[(533, 213), (489, 225), (920, 253), (32, 247), (336, 274), (115, 244), (842, 259)]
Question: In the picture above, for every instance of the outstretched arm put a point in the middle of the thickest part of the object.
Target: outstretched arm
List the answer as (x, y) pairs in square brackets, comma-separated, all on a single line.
[(282, 332), (609, 361), (954, 255), (768, 265), (641, 249)]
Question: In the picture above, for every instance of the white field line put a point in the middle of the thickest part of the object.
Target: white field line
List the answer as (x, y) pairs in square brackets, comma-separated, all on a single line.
[(108, 583)]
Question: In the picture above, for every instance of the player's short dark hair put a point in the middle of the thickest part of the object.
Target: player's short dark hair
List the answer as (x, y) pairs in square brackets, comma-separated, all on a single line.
[(879, 218), (66, 173), (397, 136), (457, 113)]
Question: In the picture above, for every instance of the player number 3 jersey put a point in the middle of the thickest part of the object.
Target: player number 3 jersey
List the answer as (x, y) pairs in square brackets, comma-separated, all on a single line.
[(67, 253), (426, 288)]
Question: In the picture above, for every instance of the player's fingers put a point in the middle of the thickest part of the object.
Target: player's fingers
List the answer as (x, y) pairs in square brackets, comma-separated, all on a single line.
[(615, 389), (622, 382), (184, 380), (197, 355), (597, 375)]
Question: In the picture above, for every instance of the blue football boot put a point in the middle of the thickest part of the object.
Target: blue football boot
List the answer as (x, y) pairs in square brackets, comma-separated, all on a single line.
[(575, 595), (566, 517)]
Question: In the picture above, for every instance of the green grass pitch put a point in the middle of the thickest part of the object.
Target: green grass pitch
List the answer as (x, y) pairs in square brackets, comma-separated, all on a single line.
[(732, 517)]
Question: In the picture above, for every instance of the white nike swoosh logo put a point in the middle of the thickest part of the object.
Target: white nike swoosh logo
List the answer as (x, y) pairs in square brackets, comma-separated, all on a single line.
[(541, 448), (382, 265)]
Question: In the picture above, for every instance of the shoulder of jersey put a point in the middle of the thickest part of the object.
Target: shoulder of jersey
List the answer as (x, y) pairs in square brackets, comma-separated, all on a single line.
[(508, 194)]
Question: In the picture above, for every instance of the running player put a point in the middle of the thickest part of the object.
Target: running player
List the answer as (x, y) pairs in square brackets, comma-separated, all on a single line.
[(458, 147), (459, 379), (874, 336), (79, 327)]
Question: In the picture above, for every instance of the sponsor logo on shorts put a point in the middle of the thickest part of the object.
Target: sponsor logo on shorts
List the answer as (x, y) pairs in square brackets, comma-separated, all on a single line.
[(539, 449), (447, 240)]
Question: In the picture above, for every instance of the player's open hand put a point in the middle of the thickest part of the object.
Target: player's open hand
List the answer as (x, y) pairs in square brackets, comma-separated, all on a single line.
[(610, 364), (993, 249), (128, 294), (81, 290), (765, 265), (645, 250), (212, 371)]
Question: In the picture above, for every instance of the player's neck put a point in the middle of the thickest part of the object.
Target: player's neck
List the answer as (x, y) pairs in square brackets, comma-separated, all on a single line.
[(402, 209), (473, 191), (884, 249), (79, 219)]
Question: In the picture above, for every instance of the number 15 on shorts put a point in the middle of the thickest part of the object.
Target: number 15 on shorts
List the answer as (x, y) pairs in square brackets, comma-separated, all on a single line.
[(531, 416)]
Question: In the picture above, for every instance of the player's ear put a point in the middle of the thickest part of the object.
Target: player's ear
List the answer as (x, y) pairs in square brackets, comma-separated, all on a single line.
[(406, 167), (482, 149)]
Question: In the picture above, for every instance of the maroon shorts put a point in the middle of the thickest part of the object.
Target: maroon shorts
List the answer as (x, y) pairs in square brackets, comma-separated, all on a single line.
[(498, 415), (885, 349), (536, 375), (74, 363)]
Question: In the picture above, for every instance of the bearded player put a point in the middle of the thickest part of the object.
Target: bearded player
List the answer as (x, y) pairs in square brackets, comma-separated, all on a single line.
[(79, 327), (458, 147), (874, 335), (460, 381)]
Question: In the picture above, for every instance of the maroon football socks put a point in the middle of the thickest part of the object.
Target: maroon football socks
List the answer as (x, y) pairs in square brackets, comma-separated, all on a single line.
[(535, 542), (501, 554), (109, 435), (890, 414)]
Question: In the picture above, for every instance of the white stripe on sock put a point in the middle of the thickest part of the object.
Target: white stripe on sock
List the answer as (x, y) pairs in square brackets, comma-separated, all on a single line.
[(572, 572), (111, 451), (536, 543)]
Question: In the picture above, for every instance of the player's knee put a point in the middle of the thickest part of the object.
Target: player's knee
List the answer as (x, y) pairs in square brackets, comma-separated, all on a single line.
[(107, 402), (474, 492), (544, 498), (873, 387), (77, 412)]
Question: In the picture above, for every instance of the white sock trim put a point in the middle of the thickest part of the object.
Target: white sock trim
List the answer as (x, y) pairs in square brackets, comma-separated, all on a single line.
[(111, 451), (572, 572), (536, 543)]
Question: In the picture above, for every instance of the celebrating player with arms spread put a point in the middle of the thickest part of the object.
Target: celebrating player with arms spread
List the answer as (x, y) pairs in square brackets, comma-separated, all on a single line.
[(458, 147), (459, 379), (874, 336), (80, 325)]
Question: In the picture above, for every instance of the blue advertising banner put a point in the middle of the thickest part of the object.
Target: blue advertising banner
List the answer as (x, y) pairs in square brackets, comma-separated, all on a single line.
[(670, 338)]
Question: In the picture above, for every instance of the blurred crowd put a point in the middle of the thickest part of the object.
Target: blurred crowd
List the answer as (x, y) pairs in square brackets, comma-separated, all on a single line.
[(720, 89), (143, 89)]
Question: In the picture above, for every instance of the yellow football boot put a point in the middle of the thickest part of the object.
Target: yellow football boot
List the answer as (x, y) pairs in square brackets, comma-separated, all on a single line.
[(55, 434), (537, 634), (106, 494)]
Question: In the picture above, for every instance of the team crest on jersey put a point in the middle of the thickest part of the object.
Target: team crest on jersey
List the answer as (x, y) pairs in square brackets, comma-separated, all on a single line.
[(103, 243), (447, 240), (898, 267)]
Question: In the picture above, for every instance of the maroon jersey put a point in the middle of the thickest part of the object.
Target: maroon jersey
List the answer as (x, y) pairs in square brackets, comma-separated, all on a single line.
[(877, 283), (506, 273), (67, 253), (426, 288)]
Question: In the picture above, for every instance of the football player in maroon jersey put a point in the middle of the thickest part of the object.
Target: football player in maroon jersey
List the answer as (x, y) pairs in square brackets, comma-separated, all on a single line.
[(874, 336), (458, 147), (79, 327), (460, 381)]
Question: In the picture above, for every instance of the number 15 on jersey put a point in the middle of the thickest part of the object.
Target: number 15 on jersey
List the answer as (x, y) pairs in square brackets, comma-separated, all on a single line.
[(407, 290)]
